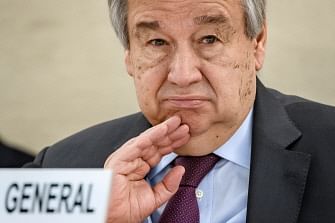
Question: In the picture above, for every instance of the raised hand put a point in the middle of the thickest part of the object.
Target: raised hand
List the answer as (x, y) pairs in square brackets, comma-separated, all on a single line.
[(132, 199)]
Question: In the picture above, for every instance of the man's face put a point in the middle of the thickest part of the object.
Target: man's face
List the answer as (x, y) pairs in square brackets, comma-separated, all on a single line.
[(192, 58)]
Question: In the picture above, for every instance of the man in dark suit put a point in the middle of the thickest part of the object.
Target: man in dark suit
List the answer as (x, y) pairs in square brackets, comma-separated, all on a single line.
[(11, 157), (195, 64)]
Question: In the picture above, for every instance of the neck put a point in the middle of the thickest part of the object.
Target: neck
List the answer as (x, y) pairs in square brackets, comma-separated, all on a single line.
[(208, 142)]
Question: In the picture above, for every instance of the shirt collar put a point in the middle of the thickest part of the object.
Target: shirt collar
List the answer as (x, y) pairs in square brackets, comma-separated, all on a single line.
[(237, 149)]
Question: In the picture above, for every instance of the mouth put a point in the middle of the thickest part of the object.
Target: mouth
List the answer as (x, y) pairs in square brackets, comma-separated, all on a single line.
[(185, 102)]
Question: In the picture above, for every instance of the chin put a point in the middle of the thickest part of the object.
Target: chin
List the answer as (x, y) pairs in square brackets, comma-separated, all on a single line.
[(195, 122)]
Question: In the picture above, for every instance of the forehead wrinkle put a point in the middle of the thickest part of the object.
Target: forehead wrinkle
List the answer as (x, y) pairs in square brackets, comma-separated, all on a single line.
[(154, 25), (146, 26), (145, 15), (210, 19)]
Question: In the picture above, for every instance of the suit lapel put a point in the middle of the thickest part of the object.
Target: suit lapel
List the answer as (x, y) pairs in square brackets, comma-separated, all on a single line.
[(278, 175)]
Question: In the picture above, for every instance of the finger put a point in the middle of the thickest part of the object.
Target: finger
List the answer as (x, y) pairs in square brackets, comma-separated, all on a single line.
[(161, 130), (134, 148), (180, 142), (180, 132), (172, 123), (137, 172), (177, 144), (164, 190), (175, 140), (146, 144), (129, 151), (154, 160), (149, 152)]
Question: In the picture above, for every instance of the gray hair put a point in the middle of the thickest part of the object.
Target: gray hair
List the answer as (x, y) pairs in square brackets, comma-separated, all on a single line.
[(254, 13)]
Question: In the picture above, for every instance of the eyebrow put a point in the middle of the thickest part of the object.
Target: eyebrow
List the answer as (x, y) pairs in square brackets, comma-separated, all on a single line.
[(210, 19), (154, 25)]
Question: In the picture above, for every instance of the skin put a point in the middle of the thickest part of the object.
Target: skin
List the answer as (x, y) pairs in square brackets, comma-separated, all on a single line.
[(194, 71), (132, 199)]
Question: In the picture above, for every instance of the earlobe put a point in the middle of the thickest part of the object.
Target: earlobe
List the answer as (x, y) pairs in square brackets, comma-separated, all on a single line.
[(128, 62), (260, 47)]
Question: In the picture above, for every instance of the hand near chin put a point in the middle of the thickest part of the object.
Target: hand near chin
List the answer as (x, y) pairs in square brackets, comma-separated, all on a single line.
[(132, 199)]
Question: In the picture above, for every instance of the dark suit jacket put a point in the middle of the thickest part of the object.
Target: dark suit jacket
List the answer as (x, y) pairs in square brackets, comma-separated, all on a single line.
[(11, 157), (292, 176)]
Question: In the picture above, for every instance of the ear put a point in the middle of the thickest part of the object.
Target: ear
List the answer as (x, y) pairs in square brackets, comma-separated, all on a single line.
[(129, 63), (260, 43)]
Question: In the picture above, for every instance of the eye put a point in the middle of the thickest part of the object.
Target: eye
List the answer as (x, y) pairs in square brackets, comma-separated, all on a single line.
[(157, 42), (210, 39)]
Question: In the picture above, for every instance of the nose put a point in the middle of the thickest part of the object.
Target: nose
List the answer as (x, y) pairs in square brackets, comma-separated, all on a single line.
[(184, 69)]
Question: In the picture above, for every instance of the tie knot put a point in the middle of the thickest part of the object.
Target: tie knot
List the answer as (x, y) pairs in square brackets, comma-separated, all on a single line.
[(196, 168)]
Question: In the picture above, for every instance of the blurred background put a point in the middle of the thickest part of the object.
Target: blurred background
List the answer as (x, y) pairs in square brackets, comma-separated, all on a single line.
[(61, 67)]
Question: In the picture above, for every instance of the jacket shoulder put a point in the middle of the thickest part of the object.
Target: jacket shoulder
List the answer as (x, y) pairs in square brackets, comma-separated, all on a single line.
[(316, 123), (90, 147), (305, 113)]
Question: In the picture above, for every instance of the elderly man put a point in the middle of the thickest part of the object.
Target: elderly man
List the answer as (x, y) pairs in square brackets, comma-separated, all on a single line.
[(211, 143)]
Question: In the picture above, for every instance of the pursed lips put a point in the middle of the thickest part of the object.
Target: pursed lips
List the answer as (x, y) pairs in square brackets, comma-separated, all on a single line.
[(186, 102)]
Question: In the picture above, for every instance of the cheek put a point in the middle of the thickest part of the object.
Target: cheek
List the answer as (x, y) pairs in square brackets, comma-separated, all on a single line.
[(247, 88), (149, 71), (233, 80), (147, 85), (224, 74), (150, 74), (144, 92), (146, 59)]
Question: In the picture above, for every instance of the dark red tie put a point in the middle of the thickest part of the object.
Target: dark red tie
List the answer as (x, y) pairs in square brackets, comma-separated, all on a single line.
[(183, 206)]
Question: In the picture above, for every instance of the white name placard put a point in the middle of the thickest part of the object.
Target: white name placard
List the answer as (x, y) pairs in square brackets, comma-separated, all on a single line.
[(54, 195)]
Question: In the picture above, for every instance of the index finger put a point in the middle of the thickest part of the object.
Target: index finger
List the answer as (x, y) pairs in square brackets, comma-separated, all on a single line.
[(161, 130), (133, 149)]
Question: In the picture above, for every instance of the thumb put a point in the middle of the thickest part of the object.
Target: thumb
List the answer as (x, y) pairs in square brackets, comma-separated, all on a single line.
[(164, 190)]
